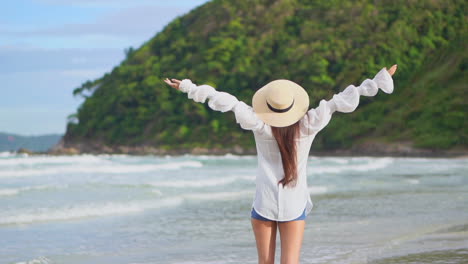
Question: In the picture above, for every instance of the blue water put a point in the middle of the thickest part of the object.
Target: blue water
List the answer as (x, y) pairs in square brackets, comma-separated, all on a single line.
[(196, 209)]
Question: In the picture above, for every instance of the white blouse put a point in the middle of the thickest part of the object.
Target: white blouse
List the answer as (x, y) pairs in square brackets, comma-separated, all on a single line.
[(271, 200)]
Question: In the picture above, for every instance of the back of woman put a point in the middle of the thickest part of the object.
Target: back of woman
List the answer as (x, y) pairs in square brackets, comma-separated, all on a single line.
[(277, 157)]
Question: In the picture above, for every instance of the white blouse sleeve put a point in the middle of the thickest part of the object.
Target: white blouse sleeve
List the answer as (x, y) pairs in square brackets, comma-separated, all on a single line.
[(346, 101), (223, 102)]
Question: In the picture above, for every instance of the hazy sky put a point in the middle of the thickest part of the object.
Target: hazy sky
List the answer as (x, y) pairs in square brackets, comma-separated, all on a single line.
[(50, 47)]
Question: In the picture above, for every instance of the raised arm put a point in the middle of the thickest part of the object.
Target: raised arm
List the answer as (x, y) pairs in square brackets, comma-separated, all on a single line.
[(347, 100), (220, 101)]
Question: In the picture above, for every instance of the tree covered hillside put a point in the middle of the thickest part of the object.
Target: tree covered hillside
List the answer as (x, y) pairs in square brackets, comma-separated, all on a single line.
[(324, 45)]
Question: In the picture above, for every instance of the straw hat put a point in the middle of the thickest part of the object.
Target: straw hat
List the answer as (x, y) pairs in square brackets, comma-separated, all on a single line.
[(280, 103)]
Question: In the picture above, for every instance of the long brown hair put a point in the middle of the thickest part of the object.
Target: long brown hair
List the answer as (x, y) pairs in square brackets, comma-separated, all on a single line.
[(285, 137)]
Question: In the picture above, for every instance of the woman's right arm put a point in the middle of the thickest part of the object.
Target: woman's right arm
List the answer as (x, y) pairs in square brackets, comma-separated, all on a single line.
[(220, 101), (347, 100)]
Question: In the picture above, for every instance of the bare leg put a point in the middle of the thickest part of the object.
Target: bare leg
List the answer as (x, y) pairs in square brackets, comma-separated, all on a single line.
[(265, 236), (291, 234)]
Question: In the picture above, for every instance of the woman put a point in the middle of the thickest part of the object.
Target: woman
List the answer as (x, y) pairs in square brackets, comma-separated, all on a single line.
[(284, 129)]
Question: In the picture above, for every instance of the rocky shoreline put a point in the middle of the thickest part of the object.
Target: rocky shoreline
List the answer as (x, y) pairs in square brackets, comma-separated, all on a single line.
[(376, 149)]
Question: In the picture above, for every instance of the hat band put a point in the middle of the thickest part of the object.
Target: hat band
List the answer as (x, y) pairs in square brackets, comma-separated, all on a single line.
[(280, 110)]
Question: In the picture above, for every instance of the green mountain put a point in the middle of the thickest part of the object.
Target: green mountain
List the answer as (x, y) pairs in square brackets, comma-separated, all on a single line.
[(324, 45), (14, 142)]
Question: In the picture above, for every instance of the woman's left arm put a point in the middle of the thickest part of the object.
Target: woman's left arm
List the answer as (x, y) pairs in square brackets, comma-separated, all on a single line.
[(219, 101)]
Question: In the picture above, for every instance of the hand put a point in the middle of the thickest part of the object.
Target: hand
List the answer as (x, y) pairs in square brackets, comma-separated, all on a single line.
[(174, 83), (392, 69)]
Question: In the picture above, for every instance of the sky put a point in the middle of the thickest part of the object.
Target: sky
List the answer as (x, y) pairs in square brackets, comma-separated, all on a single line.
[(50, 47)]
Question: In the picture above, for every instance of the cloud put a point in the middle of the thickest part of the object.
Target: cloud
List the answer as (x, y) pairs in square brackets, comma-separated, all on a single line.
[(46, 88), (120, 3), (27, 59), (136, 21), (85, 74)]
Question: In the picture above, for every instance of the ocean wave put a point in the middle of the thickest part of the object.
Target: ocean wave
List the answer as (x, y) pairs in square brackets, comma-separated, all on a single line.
[(157, 192), (228, 156), (110, 169), (112, 208), (191, 262), (337, 160), (106, 155), (7, 154), (8, 192), (318, 189), (39, 260), (15, 191), (217, 195), (84, 211), (413, 181), (47, 159), (201, 183), (373, 164)]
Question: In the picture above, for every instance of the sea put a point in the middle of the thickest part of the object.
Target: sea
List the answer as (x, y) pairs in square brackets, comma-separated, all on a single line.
[(196, 209)]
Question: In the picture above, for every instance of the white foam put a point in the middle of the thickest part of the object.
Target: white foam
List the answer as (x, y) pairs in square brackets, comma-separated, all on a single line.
[(227, 156), (105, 169), (46, 159), (413, 181), (216, 157), (202, 183), (31, 172), (8, 192), (338, 160), (39, 260), (88, 210), (114, 155), (373, 164), (318, 189)]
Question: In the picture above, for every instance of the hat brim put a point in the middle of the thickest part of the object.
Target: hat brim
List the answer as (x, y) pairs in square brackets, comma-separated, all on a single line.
[(299, 109)]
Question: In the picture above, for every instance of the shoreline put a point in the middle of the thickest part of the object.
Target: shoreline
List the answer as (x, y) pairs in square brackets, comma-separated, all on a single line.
[(369, 148), (372, 150)]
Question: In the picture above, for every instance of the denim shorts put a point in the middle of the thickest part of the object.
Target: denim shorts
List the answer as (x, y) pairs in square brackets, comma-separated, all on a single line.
[(255, 215)]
